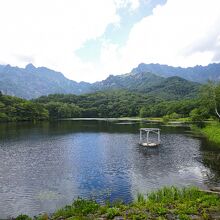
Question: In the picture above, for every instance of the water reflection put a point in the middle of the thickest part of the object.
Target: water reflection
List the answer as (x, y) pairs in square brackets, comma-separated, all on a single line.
[(44, 166)]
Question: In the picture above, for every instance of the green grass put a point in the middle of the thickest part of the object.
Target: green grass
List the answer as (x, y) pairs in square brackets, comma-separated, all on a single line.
[(212, 132), (161, 119), (178, 203)]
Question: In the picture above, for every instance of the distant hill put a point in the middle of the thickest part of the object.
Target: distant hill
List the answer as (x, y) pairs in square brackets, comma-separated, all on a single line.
[(134, 82), (31, 82), (166, 81), (175, 87), (199, 74), (169, 88)]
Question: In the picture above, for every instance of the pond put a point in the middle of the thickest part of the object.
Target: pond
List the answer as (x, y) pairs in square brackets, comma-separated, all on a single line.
[(44, 166)]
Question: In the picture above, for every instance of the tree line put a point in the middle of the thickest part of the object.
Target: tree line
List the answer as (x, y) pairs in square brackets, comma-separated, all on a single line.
[(117, 103)]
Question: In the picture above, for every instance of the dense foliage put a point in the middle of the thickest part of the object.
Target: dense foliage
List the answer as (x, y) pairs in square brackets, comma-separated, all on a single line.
[(122, 103), (119, 103), (171, 88), (112, 104), (166, 203), (101, 104), (16, 109), (209, 102), (174, 109)]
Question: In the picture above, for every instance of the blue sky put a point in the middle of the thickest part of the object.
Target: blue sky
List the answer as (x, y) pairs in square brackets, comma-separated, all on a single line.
[(88, 40), (91, 49)]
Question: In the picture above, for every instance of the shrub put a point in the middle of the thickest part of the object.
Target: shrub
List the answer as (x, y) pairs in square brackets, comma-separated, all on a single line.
[(166, 119), (112, 212), (23, 217)]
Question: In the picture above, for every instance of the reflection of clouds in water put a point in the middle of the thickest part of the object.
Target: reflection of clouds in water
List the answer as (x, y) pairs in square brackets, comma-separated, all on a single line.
[(100, 164), (187, 177), (196, 172), (172, 163)]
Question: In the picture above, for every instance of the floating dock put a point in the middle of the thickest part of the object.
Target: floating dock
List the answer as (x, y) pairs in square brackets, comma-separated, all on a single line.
[(147, 142)]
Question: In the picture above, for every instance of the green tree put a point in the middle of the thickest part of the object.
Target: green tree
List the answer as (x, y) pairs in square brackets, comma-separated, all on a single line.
[(209, 98), (145, 112), (199, 114)]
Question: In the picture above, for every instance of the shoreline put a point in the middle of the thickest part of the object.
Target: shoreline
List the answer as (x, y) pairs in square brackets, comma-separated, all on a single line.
[(165, 203), (211, 132)]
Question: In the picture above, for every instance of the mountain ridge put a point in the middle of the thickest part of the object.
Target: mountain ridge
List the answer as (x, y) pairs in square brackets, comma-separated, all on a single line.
[(197, 73), (32, 82)]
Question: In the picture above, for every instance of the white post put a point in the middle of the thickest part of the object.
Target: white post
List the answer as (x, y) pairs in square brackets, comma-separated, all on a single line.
[(140, 136), (147, 136), (158, 136)]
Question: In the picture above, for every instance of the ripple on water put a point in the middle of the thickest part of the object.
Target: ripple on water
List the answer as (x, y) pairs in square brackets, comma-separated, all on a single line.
[(44, 167)]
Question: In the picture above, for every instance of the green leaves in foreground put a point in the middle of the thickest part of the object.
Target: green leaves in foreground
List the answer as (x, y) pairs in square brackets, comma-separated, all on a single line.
[(79, 207), (181, 201), (165, 203)]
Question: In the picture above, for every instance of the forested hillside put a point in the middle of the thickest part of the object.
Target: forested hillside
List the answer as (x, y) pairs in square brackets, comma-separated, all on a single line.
[(117, 104), (114, 103), (122, 103), (149, 83)]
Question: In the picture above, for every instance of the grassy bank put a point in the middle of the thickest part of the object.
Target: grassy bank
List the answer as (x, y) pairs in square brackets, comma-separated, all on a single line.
[(212, 132), (166, 203)]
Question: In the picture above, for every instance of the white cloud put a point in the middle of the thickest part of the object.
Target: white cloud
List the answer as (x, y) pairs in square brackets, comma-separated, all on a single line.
[(131, 4), (134, 4), (184, 33), (179, 33), (48, 32)]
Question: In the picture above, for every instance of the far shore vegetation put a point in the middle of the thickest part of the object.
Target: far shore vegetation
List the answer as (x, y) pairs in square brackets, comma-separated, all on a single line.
[(165, 203), (120, 104)]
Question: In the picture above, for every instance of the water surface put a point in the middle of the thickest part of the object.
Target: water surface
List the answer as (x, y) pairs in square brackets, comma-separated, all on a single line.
[(44, 166)]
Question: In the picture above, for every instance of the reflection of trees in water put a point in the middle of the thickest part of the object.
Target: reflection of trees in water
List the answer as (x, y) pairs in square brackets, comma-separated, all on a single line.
[(22, 130), (212, 161), (210, 156)]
